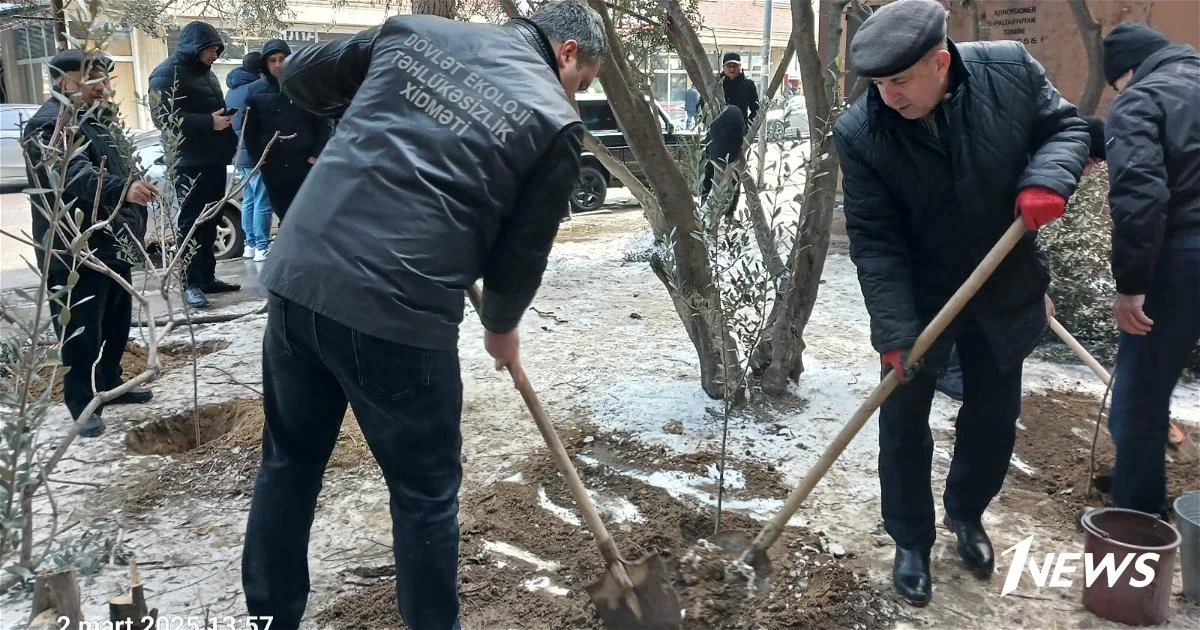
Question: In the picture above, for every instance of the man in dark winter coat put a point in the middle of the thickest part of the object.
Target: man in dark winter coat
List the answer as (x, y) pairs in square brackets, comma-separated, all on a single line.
[(188, 89), (267, 113), (1153, 156), (99, 307), (723, 148), (947, 142), (737, 88), (256, 208), (455, 158)]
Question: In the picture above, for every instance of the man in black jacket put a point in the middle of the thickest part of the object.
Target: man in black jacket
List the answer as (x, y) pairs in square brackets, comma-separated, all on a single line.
[(455, 156), (187, 88), (737, 88), (1153, 158), (723, 149), (946, 142), (268, 112), (96, 178)]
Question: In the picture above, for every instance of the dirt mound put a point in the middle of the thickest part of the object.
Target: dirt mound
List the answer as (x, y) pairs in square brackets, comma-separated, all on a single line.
[(227, 458), (1056, 444), (525, 559), (133, 362)]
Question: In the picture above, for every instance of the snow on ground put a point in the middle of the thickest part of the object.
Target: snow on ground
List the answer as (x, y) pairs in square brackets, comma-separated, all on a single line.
[(603, 346)]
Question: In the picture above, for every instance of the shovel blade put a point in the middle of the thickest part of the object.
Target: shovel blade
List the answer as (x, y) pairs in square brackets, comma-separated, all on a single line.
[(735, 543), (651, 605)]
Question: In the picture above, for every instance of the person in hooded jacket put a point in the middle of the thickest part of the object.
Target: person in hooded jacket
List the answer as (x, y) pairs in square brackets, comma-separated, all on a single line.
[(256, 208), (188, 89), (268, 112), (97, 329), (1153, 154), (723, 149)]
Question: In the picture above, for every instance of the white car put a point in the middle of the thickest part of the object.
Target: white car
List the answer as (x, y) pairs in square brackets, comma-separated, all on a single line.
[(789, 121), (12, 160), (230, 238)]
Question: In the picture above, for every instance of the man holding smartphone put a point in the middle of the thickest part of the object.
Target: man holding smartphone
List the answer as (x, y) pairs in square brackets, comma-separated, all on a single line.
[(188, 92)]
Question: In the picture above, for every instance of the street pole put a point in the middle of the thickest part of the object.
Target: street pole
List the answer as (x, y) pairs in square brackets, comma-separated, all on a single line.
[(764, 80)]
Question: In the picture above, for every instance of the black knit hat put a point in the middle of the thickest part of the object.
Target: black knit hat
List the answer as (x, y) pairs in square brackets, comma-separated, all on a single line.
[(252, 61), (1096, 130), (1127, 46)]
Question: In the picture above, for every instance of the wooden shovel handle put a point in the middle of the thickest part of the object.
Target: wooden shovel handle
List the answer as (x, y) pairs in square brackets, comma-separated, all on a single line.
[(771, 531), (608, 547), (1080, 351)]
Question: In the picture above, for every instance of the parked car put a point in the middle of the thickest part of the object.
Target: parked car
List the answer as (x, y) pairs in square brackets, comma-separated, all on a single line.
[(230, 238), (789, 121), (12, 160), (594, 179)]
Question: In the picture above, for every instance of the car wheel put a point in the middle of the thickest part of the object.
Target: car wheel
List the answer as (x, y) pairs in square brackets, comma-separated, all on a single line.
[(590, 192), (230, 239), (776, 131)]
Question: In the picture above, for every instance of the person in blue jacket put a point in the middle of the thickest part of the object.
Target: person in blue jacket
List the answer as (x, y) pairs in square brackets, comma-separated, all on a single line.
[(256, 207), (301, 135)]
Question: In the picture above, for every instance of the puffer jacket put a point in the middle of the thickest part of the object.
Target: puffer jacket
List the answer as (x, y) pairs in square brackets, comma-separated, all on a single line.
[(1153, 138), (239, 82), (740, 92), (924, 208), (197, 94), (83, 182), (267, 111), (454, 159)]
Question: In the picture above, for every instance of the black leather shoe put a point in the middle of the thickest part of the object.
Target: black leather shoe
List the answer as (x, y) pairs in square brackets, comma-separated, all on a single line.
[(910, 575), (974, 546), (195, 298), (133, 397), (220, 286), (93, 427)]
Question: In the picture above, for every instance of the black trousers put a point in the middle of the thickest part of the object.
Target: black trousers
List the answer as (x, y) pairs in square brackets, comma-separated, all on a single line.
[(283, 181), (408, 403), (706, 187), (983, 443), (208, 186), (97, 328)]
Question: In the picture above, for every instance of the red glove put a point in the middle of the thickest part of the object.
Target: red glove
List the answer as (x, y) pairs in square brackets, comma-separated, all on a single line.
[(895, 359), (1038, 206)]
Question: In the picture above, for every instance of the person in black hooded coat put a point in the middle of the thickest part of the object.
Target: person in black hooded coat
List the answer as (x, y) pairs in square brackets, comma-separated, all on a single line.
[(188, 89), (267, 112)]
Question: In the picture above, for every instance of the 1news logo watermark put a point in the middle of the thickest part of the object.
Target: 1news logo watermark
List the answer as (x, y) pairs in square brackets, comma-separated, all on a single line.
[(1055, 570)]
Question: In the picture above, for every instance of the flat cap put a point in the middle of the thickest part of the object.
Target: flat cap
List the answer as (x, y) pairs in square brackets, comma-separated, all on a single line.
[(73, 60), (896, 36)]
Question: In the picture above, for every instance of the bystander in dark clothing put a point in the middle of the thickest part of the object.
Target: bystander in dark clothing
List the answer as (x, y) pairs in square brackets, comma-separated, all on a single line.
[(1153, 147), (94, 183), (188, 90), (454, 158), (723, 150), (737, 89), (256, 208)]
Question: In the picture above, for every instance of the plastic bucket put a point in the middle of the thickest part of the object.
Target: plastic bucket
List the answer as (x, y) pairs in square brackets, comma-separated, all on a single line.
[(1126, 535), (1187, 515)]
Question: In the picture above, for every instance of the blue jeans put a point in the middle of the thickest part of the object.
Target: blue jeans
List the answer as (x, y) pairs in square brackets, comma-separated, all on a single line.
[(256, 210), (1148, 367), (408, 402)]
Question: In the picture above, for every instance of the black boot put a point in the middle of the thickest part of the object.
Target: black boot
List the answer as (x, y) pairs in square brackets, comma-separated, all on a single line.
[(220, 286), (133, 397), (910, 575), (974, 546), (195, 298), (93, 427)]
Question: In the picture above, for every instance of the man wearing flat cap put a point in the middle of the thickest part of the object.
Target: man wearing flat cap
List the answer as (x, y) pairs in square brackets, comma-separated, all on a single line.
[(949, 142), (97, 183), (1153, 159)]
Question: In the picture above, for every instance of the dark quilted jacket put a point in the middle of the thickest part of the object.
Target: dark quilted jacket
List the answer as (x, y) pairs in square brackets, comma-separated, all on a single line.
[(922, 210), (197, 94), (1154, 163), (267, 112)]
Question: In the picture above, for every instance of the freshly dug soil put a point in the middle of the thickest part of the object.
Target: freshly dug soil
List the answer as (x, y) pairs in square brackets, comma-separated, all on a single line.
[(1056, 442), (133, 362), (809, 587)]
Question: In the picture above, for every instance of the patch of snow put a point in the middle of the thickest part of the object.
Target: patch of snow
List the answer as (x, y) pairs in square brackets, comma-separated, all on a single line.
[(543, 583), (565, 514), (733, 478), (517, 478), (512, 551), (1021, 466), (617, 509)]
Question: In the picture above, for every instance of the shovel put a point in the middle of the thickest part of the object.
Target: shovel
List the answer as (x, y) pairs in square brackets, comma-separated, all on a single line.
[(755, 554), (1175, 436), (630, 595)]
